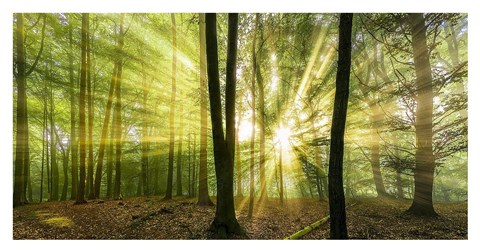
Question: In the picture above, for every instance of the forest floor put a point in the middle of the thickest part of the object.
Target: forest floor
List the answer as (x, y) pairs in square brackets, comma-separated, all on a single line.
[(181, 218)]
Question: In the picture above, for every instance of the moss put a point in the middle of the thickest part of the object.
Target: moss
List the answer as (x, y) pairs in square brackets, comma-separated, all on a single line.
[(59, 222)]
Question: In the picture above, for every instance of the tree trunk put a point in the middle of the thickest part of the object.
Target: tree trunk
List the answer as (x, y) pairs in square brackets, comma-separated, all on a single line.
[(338, 224), (171, 149), (53, 148), (110, 161), (225, 221), (238, 158), (252, 137), (103, 140), (44, 129), (179, 154), (261, 118), (90, 188), (118, 117), (203, 197), (145, 140), (377, 119), (424, 159), (21, 115), (82, 132), (73, 123)]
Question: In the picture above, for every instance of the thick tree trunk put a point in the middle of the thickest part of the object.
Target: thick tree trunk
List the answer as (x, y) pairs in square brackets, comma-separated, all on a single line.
[(171, 149), (203, 197), (225, 221), (338, 224), (82, 131), (424, 159), (377, 119), (21, 115)]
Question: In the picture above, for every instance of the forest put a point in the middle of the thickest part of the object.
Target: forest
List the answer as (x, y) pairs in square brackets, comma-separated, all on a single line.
[(240, 126)]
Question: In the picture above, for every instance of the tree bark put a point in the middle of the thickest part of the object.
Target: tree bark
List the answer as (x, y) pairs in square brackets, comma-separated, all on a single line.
[(424, 158), (338, 224), (82, 132), (225, 221), (203, 197)]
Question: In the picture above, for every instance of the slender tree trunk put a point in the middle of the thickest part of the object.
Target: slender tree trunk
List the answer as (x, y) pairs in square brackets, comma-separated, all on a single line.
[(179, 153), (203, 197), (44, 129), (73, 123), (194, 172), (171, 149), (144, 140), (53, 148), (118, 117), (238, 158), (252, 139), (225, 221), (424, 159), (90, 188), (103, 140), (82, 131), (110, 161), (26, 168), (261, 118), (338, 224)]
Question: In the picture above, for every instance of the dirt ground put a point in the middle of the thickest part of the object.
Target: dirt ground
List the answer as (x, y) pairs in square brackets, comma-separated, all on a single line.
[(181, 218)]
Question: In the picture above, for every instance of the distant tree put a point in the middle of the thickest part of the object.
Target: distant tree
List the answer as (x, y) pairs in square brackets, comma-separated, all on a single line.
[(171, 149), (118, 116), (252, 136), (225, 221), (73, 111), (338, 224)]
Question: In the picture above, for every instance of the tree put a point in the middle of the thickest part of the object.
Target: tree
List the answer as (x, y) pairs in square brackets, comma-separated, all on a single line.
[(424, 158), (225, 221), (338, 224), (90, 188), (118, 116), (82, 131), (171, 149), (252, 137), (73, 110), (21, 141), (22, 153), (203, 197)]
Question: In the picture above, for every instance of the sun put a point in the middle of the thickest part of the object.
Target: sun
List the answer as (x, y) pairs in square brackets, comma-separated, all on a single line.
[(282, 136)]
